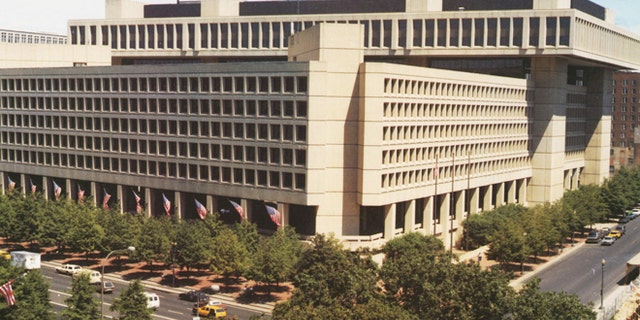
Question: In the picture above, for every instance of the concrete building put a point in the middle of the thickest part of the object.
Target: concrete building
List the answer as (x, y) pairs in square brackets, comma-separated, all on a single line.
[(625, 133), (363, 118)]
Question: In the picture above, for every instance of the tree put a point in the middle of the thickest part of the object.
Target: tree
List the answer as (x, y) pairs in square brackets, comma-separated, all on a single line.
[(276, 257), (588, 203), (194, 245), (153, 242), (31, 291), (508, 243), (533, 304), (132, 303), (231, 256), (85, 234), (81, 305)]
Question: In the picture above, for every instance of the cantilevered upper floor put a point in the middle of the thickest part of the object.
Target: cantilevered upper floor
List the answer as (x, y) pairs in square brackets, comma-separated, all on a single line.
[(230, 30)]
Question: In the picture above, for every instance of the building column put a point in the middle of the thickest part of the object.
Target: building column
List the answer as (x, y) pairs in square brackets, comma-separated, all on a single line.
[(445, 219), (511, 192), (67, 188), (410, 216), (177, 197), (93, 192), (120, 197), (500, 195), (522, 192), (486, 201), (45, 187), (474, 202), (147, 200), (427, 216), (567, 179), (210, 204), (575, 182), (248, 211), (549, 127), (598, 126), (389, 221), (283, 208), (459, 213)]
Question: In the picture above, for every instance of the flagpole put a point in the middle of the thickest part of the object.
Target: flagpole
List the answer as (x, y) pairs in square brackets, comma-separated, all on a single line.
[(466, 233)]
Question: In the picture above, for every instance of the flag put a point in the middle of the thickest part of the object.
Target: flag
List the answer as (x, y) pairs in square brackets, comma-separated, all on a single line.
[(11, 183), (166, 204), (80, 194), (56, 190), (274, 215), (105, 200), (7, 292), (138, 206), (200, 209), (238, 208), (33, 186)]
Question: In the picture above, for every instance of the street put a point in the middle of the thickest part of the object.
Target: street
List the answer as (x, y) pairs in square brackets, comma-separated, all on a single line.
[(580, 272), (171, 307)]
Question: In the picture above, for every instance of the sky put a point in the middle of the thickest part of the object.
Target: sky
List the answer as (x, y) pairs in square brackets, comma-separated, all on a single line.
[(51, 16)]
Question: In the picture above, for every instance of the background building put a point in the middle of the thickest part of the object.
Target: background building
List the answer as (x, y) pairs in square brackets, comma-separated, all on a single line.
[(361, 118), (625, 134)]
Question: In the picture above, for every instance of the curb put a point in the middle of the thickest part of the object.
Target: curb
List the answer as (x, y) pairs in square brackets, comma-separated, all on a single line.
[(265, 308)]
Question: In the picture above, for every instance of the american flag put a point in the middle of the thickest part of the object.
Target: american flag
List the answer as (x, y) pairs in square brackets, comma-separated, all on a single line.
[(80, 193), (138, 206), (238, 208), (166, 204), (56, 190), (274, 215), (11, 183), (33, 186), (7, 292), (105, 199), (200, 209)]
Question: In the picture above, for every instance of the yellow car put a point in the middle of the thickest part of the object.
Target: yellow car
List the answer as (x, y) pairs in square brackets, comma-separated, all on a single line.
[(210, 311), (5, 254), (615, 233)]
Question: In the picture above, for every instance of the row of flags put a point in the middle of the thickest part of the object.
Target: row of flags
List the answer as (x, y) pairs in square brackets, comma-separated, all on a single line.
[(201, 210)]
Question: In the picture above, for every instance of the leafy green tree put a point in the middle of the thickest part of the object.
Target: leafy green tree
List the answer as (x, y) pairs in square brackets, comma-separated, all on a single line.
[(31, 214), (8, 221), (508, 243), (276, 257), (85, 234), (481, 227), (533, 304), (121, 230), (81, 305), (56, 222), (419, 274), (231, 256), (247, 233), (194, 246), (588, 204), (132, 303), (153, 242), (31, 291)]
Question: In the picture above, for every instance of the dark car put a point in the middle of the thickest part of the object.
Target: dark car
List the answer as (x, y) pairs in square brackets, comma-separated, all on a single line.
[(622, 230), (195, 296), (624, 219), (594, 237), (107, 287)]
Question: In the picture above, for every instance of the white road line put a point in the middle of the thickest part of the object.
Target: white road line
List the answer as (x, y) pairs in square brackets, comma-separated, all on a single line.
[(176, 312)]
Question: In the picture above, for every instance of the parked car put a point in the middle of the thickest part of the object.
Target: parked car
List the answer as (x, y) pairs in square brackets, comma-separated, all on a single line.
[(622, 229), (195, 296), (153, 301), (624, 219), (615, 234), (210, 311), (69, 269), (594, 237), (107, 286), (607, 241)]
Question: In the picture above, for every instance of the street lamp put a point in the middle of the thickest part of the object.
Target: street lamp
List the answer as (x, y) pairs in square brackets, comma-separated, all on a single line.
[(602, 285), (524, 241), (130, 249)]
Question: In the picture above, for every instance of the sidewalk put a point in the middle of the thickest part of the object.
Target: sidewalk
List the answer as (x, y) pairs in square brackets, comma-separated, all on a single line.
[(226, 299)]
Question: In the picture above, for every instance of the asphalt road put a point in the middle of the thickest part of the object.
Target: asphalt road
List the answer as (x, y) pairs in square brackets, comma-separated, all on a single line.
[(581, 271), (171, 307)]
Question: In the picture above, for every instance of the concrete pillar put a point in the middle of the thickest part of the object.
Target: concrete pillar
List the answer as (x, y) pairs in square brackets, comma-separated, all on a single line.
[(93, 192), (210, 204), (500, 194), (427, 215), (23, 183), (120, 197), (522, 192), (549, 128), (389, 221), (598, 126), (147, 199), (511, 192), (248, 211), (567, 180), (283, 208), (459, 213), (445, 219), (67, 188), (474, 202), (486, 201), (410, 216), (177, 197), (575, 182)]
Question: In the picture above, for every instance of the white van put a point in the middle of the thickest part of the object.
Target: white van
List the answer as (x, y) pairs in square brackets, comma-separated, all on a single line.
[(94, 276), (153, 301)]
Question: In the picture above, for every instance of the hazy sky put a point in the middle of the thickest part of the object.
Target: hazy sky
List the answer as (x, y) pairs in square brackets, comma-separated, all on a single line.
[(52, 15)]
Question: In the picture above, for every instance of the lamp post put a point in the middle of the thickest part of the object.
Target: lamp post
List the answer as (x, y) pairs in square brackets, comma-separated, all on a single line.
[(524, 241), (173, 263), (130, 249), (602, 285)]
